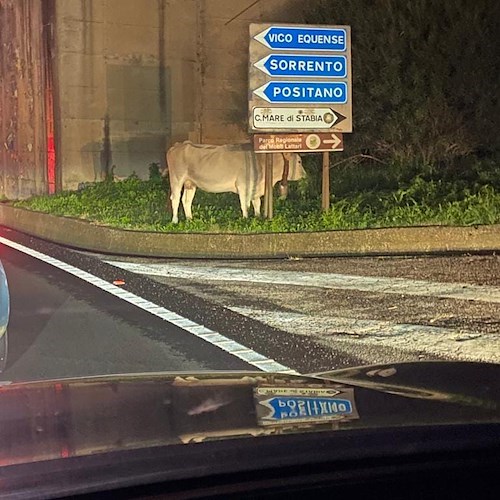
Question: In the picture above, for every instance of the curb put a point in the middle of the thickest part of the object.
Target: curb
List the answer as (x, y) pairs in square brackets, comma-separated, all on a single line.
[(90, 236)]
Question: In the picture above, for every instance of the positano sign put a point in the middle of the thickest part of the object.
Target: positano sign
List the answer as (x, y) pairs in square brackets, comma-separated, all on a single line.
[(300, 78)]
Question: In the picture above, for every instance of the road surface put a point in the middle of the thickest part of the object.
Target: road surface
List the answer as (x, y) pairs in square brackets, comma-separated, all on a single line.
[(61, 326), (143, 315)]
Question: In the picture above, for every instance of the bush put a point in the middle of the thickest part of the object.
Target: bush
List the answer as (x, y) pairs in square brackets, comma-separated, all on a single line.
[(425, 76)]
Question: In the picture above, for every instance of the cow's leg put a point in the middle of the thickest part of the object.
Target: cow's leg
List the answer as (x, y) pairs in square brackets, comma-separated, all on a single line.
[(175, 198), (244, 203), (187, 199), (256, 206)]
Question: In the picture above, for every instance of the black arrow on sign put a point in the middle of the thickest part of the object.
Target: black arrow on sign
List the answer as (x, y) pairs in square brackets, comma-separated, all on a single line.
[(338, 118)]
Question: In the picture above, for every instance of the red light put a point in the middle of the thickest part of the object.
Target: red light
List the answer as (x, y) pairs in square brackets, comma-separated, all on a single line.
[(51, 147)]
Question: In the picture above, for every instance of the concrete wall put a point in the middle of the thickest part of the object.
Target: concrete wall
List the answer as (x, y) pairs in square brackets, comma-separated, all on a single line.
[(224, 59), (135, 76), (113, 87)]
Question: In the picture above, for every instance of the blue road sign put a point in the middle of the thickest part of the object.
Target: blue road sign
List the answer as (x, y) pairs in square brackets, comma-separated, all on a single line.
[(290, 38), (303, 65), (303, 92)]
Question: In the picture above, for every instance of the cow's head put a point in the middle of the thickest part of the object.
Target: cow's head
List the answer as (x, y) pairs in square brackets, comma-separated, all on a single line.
[(296, 170), (292, 171)]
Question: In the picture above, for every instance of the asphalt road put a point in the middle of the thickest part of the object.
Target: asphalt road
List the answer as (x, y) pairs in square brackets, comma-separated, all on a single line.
[(61, 326), (308, 315), (367, 310)]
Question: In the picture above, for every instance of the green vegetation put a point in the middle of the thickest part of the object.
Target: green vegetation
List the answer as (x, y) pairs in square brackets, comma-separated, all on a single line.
[(423, 199), (425, 76)]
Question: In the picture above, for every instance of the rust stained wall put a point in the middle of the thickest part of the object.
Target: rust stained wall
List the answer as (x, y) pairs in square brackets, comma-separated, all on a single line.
[(22, 129), (131, 77)]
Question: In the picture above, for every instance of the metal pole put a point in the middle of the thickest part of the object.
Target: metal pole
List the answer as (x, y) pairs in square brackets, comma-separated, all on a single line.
[(268, 190), (325, 192)]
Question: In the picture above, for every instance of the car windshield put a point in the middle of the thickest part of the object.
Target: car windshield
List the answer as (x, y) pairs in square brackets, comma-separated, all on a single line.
[(288, 188)]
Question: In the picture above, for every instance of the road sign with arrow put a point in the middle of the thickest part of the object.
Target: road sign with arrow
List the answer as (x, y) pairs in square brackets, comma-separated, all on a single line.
[(306, 37), (303, 65), (298, 143), (324, 118), (300, 78), (303, 92)]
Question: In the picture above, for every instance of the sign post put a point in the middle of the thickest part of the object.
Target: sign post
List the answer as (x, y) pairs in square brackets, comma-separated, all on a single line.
[(300, 93), (268, 187), (325, 184)]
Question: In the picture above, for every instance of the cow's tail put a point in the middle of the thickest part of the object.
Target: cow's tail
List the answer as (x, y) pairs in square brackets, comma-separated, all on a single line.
[(166, 174)]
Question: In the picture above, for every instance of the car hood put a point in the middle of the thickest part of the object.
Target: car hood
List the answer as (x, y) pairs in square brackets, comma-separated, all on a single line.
[(75, 417)]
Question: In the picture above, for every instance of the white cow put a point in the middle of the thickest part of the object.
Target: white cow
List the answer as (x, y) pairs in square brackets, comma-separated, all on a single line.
[(223, 169)]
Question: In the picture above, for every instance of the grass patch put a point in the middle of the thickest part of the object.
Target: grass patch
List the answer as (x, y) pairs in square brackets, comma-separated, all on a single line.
[(423, 200)]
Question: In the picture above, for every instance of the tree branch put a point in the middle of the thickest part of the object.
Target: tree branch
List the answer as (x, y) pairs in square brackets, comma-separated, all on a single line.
[(358, 158)]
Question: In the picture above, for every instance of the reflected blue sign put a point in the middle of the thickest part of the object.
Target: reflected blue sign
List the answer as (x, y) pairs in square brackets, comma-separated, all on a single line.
[(285, 408)]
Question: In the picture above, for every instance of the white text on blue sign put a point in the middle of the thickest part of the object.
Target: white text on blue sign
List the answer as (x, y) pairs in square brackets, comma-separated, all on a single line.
[(303, 92), (288, 65), (292, 38), (293, 407)]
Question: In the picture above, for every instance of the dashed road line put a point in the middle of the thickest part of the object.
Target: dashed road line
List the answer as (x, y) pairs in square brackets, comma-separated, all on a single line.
[(400, 286), (236, 349)]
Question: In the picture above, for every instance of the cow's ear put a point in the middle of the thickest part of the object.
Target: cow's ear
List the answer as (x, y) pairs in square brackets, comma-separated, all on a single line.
[(287, 156)]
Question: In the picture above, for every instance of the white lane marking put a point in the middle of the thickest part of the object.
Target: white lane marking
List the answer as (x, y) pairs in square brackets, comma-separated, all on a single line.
[(457, 344), (400, 286), (230, 346)]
